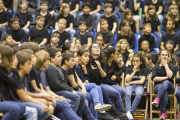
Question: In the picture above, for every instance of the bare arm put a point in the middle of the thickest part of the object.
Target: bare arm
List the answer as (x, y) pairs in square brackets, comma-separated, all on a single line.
[(89, 41), (72, 81), (159, 10), (74, 38), (158, 29), (35, 86), (169, 73), (114, 27), (5, 24), (44, 41), (27, 25), (70, 27), (56, 26), (157, 79), (98, 27), (136, 6), (162, 45), (76, 9), (141, 81), (145, 8), (122, 6), (130, 77), (80, 82), (176, 48)]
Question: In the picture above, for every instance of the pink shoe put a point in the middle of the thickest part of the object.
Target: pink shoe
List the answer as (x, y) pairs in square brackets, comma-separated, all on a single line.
[(156, 102), (163, 116)]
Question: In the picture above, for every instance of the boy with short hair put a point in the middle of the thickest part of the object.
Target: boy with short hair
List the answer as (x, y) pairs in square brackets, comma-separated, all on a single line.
[(64, 35), (115, 5), (84, 36), (86, 8), (24, 17), (150, 60), (108, 36), (147, 37), (17, 33), (39, 31), (95, 9), (8, 40), (112, 20), (3, 21), (170, 35), (54, 41), (145, 47)]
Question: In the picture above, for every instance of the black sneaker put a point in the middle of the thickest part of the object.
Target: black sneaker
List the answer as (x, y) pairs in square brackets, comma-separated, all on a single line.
[(116, 114), (123, 115), (105, 116)]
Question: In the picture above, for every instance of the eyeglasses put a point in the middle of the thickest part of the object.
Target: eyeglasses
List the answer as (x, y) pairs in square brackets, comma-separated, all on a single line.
[(95, 46)]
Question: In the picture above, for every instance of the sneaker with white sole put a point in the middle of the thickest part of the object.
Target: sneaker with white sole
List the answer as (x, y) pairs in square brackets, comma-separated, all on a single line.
[(129, 115), (100, 107)]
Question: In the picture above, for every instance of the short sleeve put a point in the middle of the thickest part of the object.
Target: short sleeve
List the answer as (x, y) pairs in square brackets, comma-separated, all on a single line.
[(75, 35), (68, 37), (147, 3), (89, 35), (145, 71), (161, 3), (98, 2), (70, 71), (29, 17), (71, 19), (31, 32), (32, 74), (77, 2), (128, 70)]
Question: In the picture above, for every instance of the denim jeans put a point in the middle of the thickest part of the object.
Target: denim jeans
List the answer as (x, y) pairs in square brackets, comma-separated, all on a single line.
[(63, 111), (31, 113), (178, 94), (72, 32), (12, 110), (3, 29), (111, 94), (97, 17), (94, 96), (27, 33), (162, 90), (138, 90), (40, 109), (157, 37)]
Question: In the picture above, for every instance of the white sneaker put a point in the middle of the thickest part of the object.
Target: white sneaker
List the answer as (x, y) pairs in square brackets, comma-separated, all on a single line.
[(129, 115)]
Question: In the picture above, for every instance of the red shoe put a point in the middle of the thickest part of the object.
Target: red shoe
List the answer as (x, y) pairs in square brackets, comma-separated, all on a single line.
[(156, 102), (163, 116)]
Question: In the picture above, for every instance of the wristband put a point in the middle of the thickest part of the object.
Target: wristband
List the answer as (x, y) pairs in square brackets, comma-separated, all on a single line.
[(44, 96)]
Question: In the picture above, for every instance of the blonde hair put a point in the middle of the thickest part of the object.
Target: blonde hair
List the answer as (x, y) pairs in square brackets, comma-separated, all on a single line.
[(124, 22), (63, 6), (169, 15), (62, 20), (24, 2), (153, 17), (42, 57), (118, 46)]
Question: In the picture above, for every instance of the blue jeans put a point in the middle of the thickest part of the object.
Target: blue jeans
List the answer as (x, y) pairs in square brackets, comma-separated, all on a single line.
[(63, 110), (3, 29), (160, 17), (27, 33), (157, 37), (72, 32), (40, 109), (97, 17), (12, 110), (178, 94), (138, 90), (162, 90), (109, 93), (94, 96)]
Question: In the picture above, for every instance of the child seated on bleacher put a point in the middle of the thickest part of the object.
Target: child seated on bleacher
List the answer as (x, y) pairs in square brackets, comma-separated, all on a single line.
[(150, 60), (172, 15), (112, 20), (95, 6), (64, 35), (18, 34), (39, 31), (127, 34), (115, 5), (170, 35), (65, 13), (24, 18), (108, 36), (133, 5), (100, 41), (86, 8), (152, 18), (123, 47), (145, 47), (3, 21), (169, 45), (48, 20), (74, 7), (54, 41), (7, 39), (84, 36), (147, 37), (78, 44)]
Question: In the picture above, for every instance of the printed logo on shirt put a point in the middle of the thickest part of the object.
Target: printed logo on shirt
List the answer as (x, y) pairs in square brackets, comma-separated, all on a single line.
[(137, 77)]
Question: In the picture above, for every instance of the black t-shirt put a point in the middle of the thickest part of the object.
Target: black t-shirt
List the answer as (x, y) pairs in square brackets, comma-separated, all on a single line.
[(177, 25), (159, 71), (142, 72), (125, 56), (174, 37), (115, 3), (157, 4), (130, 4), (39, 34), (65, 73), (8, 4), (133, 27), (48, 20), (63, 37), (52, 5), (111, 20), (41, 76), (108, 38), (72, 3), (153, 23), (69, 19), (131, 40), (148, 38), (58, 46), (4, 17), (83, 38), (23, 18), (93, 3), (18, 35)]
